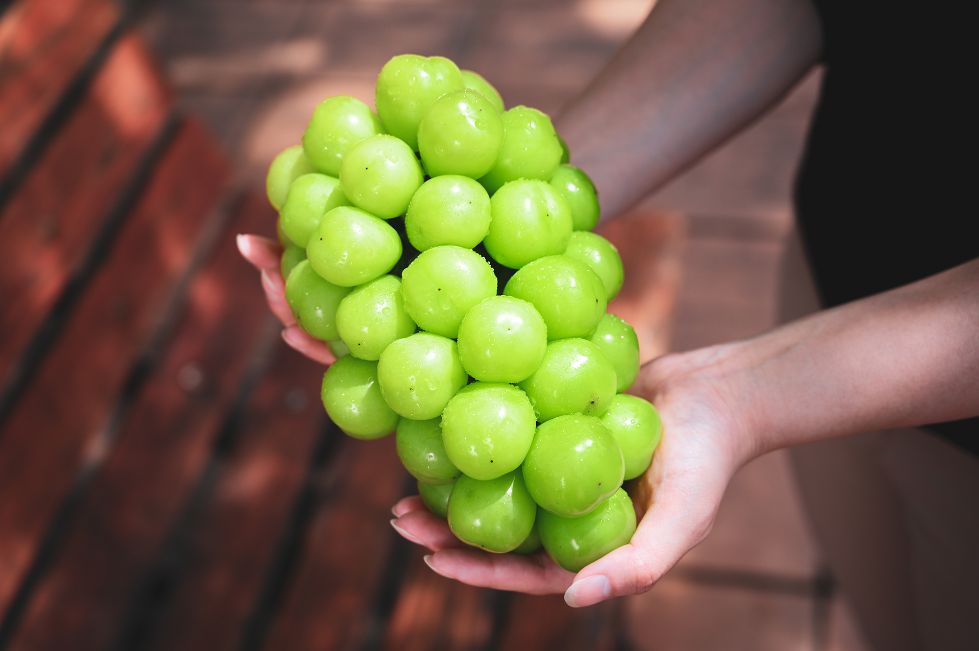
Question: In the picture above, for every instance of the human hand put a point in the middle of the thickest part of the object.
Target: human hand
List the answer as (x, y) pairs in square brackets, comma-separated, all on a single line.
[(265, 254), (677, 498)]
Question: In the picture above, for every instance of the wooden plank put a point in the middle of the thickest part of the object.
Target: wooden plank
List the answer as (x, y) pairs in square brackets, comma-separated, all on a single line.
[(54, 429), (164, 443), (433, 612), (343, 552), (43, 46), (235, 536), (546, 622), (48, 227)]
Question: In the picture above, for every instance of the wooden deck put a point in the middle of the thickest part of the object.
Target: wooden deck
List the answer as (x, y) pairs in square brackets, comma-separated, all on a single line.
[(168, 479)]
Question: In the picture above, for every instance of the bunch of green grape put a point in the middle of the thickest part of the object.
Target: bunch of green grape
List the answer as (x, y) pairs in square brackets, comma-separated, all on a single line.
[(442, 246)]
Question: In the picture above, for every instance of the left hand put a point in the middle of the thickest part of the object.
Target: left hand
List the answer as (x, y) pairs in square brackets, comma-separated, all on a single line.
[(677, 497)]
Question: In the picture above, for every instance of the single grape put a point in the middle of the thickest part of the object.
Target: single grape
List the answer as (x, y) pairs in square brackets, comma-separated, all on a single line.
[(530, 220), (338, 123), (407, 86), (637, 429), (448, 209), (380, 174), (574, 377), (460, 134), (579, 191), (291, 256), (436, 497), (352, 397), (573, 465), (568, 295), (496, 514), (475, 81), (442, 284), (599, 255), (419, 374), (530, 149), (502, 339), (487, 429), (532, 542), (574, 543), (314, 301), (288, 165), (310, 197), (422, 452), (617, 340), (352, 247), (372, 316)]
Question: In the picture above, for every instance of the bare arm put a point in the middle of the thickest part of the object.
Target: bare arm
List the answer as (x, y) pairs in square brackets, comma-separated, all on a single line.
[(693, 74)]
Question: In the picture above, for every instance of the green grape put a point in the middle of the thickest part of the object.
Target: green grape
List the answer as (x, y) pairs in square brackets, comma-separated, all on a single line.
[(291, 256), (460, 134), (314, 301), (338, 348), (286, 167), (573, 465), (442, 284), (338, 123), (599, 255), (637, 429), (568, 295), (310, 197), (502, 339), (380, 174), (475, 81), (436, 497), (530, 149), (574, 543), (487, 429), (565, 151), (352, 398), (530, 220), (407, 86), (419, 374), (496, 514), (579, 191), (532, 542), (617, 340), (422, 452), (352, 247), (372, 316), (448, 209), (574, 377)]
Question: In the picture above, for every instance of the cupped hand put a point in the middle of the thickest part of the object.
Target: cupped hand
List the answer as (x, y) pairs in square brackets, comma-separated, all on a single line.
[(265, 255), (703, 445)]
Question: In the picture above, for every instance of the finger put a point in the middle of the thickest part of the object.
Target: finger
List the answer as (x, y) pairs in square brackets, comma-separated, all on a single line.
[(534, 574), (407, 505), (314, 349), (424, 528), (672, 526), (275, 296), (261, 252)]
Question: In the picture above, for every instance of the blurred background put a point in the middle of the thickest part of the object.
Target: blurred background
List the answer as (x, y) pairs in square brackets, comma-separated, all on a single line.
[(168, 479)]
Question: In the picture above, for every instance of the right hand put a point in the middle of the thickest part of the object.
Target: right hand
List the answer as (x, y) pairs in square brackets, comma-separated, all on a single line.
[(265, 254)]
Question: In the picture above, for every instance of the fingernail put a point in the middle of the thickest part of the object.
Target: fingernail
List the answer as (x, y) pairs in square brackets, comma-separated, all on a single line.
[(404, 533), (428, 561), (240, 241), (588, 591)]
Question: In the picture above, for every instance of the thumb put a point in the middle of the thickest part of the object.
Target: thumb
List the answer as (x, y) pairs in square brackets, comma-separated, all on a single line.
[(674, 524)]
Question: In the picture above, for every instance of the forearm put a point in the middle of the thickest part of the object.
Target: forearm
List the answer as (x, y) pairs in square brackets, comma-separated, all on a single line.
[(694, 73), (902, 358)]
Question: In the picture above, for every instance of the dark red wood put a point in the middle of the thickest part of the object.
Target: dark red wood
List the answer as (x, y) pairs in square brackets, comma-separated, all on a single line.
[(43, 45), (55, 427), (164, 443), (235, 538), (48, 225), (344, 552)]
